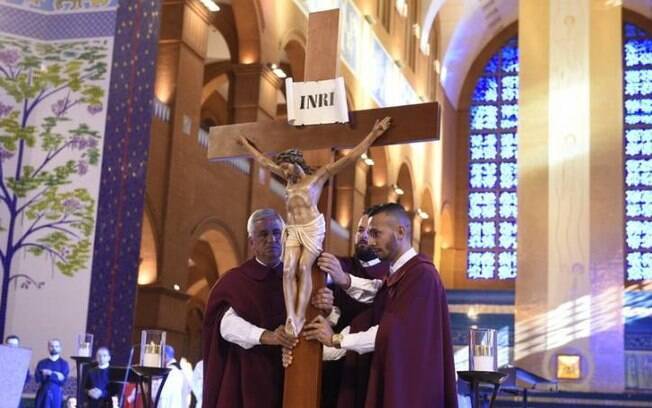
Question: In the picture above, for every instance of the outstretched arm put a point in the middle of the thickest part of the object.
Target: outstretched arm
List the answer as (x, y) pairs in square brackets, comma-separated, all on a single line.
[(263, 160), (379, 128)]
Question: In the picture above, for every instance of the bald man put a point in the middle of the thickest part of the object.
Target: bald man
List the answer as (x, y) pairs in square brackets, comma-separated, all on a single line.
[(408, 329)]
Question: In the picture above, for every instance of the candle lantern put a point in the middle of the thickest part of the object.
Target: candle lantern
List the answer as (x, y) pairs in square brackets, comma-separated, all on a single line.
[(84, 345), (483, 354), (152, 345)]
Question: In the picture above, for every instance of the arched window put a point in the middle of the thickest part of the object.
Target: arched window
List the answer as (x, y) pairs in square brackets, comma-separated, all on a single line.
[(492, 178), (637, 67)]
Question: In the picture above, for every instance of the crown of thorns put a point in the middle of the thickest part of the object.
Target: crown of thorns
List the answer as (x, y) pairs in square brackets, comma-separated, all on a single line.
[(293, 156)]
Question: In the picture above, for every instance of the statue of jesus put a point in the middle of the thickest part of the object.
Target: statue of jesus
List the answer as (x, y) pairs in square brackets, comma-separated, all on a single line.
[(305, 228)]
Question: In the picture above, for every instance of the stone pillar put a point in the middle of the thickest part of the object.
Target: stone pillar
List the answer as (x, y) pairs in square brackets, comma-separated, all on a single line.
[(379, 195), (570, 239), (179, 83), (253, 93)]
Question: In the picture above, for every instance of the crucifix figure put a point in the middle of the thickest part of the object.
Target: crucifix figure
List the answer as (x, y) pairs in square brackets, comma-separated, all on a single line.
[(305, 229), (410, 123)]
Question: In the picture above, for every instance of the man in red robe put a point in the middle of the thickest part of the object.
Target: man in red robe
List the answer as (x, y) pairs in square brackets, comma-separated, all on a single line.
[(244, 324), (408, 328), (364, 264)]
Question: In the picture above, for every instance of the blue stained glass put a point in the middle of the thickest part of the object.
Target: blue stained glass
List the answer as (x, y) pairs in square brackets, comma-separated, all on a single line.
[(506, 265), (483, 175), (637, 89), (492, 168), (510, 57), (638, 82), (507, 175), (484, 117), (639, 234), (483, 147), (486, 89), (639, 265), (638, 107), (638, 142), (481, 265), (638, 52), (638, 203), (507, 235), (509, 116), (638, 173), (493, 65), (508, 207), (510, 88), (508, 147), (482, 205), (632, 31), (482, 235)]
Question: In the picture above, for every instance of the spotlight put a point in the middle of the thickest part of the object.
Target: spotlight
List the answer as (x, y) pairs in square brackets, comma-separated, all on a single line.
[(278, 71), (211, 5), (367, 160), (422, 214), (397, 190)]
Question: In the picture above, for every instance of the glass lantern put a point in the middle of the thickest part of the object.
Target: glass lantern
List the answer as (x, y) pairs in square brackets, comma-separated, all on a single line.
[(483, 355), (84, 345), (152, 345)]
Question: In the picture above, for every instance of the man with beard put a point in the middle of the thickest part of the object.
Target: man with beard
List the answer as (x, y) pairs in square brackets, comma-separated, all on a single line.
[(409, 332), (364, 264), (51, 373), (244, 324)]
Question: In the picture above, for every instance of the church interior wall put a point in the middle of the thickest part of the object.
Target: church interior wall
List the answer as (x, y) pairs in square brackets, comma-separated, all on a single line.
[(195, 212)]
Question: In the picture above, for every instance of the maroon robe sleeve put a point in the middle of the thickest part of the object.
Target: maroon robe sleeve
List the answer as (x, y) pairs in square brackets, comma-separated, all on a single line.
[(413, 358)]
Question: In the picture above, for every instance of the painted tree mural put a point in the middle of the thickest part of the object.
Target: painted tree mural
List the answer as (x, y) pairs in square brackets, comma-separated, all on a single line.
[(47, 91)]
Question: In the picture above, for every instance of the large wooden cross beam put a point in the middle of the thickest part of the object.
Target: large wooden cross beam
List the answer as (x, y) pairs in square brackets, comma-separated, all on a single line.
[(411, 123)]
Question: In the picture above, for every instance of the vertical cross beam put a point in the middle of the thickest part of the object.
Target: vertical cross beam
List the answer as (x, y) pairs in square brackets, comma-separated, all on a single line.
[(302, 388)]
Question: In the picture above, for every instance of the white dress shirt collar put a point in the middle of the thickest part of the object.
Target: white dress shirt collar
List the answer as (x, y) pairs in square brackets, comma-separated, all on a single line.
[(261, 262), (402, 260), (54, 358), (371, 263)]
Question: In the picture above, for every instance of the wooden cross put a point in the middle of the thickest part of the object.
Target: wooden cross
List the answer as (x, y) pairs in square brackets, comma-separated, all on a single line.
[(411, 123)]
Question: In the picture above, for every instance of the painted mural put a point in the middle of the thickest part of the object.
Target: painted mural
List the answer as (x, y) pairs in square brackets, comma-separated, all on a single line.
[(63, 5), (52, 116)]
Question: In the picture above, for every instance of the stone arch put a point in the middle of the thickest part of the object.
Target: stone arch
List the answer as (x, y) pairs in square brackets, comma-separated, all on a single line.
[(454, 236), (215, 101), (406, 183), (194, 324), (295, 52), (247, 14), (212, 253), (148, 261), (427, 215), (475, 30), (224, 23), (212, 240), (377, 177)]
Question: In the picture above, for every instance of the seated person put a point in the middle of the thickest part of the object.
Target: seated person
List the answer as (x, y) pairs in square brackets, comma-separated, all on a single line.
[(97, 380)]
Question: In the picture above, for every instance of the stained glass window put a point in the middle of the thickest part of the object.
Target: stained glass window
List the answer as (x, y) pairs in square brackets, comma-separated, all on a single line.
[(637, 67), (492, 168)]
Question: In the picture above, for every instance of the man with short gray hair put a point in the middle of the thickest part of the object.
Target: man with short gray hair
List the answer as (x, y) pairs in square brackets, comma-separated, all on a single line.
[(244, 324)]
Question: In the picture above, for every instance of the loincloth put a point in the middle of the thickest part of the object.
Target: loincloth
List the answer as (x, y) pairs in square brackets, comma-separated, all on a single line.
[(310, 235)]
